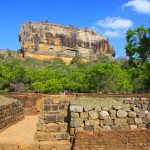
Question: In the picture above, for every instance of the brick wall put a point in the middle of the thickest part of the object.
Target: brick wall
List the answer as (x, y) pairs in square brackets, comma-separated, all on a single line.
[(11, 112), (112, 140)]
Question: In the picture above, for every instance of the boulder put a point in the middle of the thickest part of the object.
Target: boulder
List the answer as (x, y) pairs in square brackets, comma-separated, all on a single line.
[(121, 114), (104, 115)]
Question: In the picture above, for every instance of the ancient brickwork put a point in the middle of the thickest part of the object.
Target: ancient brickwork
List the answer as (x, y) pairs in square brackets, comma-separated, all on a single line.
[(113, 140), (11, 112)]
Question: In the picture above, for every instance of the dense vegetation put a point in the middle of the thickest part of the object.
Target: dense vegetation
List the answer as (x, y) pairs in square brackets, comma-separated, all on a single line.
[(107, 76)]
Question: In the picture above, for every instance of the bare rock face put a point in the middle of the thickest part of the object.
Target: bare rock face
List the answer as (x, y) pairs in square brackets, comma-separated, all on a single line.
[(44, 40)]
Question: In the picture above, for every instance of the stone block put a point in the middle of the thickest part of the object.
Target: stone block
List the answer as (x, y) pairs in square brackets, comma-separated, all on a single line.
[(101, 123), (84, 115), (74, 115), (136, 109), (130, 121), (104, 115), (132, 114), (89, 128), (116, 107), (108, 122), (121, 114), (52, 127), (53, 118), (40, 126), (46, 107), (62, 106), (97, 108), (105, 108), (88, 108), (112, 114), (43, 136), (76, 122), (92, 122), (107, 128), (76, 108), (93, 114), (72, 131), (133, 127), (97, 128), (143, 99), (120, 121), (54, 107), (141, 114), (138, 120)]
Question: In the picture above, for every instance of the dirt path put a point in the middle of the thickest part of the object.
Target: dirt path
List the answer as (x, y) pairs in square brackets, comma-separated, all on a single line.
[(22, 132)]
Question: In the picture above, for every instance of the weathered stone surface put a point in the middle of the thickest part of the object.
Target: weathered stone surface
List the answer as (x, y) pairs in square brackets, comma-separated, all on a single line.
[(84, 115), (133, 126), (120, 121), (105, 108), (97, 108), (136, 109), (92, 122), (97, 128), (141, 114), (106, 128), (116, 107), (72, 131), (43, 136), (76, 108), (74, 115), (121, 113), (56, 127), (104, 115), (138, 120), (93, 114), (132, 114), (147, 118), (53, 118), (112, 114), (88, 108), (46, 39), (76, 122), (131, 121), (108, 122)]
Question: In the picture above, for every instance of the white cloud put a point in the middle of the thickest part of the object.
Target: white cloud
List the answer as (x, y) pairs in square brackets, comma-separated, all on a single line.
[(115, 23), (140, 6), (113, 26), (112, 33)]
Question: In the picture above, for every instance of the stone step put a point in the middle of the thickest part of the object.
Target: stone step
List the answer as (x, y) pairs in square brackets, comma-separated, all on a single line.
[(35, 145), (55, 145), (53, 136)]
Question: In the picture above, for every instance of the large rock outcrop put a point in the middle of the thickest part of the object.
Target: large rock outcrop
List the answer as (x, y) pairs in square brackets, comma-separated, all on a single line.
[(46, 41)]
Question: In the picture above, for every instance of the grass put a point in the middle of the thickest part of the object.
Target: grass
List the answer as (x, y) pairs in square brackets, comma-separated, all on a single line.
[(93, 101), (6, 100)]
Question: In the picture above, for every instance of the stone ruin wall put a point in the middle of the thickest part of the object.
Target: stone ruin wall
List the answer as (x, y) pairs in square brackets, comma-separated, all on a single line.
[(11, 112), (94, 128)]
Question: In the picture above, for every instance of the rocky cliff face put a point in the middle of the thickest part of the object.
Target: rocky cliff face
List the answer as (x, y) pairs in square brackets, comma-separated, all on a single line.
[(46, 41)]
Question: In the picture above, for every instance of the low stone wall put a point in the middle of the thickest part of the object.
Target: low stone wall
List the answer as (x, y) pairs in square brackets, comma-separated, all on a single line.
[(132, 115), (88, 127), (112, 140), (53, 124), (11, 112)]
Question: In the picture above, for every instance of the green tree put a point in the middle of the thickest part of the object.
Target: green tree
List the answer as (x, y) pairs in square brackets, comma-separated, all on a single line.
[(138, 44)]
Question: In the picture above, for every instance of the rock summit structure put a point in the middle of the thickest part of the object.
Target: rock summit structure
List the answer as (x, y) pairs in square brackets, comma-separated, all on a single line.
[(46, 41)]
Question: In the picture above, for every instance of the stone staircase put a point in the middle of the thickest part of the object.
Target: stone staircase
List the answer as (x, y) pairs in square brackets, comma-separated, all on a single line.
[(52, 127)]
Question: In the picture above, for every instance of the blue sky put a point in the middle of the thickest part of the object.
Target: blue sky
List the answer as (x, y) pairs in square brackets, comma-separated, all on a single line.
[(110, 18)]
